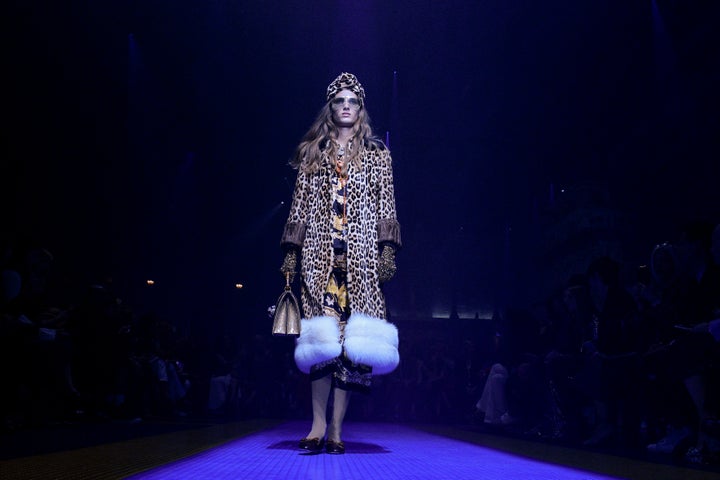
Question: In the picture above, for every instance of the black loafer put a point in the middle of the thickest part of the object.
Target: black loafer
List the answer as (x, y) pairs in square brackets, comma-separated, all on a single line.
[(312, 444), (335, 448)]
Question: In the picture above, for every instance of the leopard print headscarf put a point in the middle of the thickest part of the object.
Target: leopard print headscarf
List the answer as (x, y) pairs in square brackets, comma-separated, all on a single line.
[(346, 81)]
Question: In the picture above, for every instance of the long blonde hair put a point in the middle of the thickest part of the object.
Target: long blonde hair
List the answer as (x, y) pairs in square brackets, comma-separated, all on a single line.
[(321, 136)]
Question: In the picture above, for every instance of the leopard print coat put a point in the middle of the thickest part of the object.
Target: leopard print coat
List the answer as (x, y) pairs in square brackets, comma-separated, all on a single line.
[(371, 219)]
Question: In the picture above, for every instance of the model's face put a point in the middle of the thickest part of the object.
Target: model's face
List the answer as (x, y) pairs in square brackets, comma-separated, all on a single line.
[(345, 107)]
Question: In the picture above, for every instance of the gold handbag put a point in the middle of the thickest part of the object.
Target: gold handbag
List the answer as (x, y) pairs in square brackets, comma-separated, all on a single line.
[(286, 321)]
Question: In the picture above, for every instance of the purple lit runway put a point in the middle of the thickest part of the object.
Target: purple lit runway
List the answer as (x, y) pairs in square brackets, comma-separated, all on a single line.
[(373, 451)]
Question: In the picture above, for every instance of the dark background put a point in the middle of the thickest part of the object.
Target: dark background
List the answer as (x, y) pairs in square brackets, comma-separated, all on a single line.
[(149, 140)]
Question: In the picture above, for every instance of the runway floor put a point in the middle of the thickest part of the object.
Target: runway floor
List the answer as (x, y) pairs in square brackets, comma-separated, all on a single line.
[(267, 449)]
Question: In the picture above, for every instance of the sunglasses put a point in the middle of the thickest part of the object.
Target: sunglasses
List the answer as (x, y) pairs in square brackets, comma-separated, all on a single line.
[(339, 102)]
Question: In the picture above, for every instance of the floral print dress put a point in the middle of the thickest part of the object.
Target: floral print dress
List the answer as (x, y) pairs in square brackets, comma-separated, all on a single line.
[(346, 375)]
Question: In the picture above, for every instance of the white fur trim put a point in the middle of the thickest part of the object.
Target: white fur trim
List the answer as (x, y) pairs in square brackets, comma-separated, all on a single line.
[(319, 341), (372, 341)]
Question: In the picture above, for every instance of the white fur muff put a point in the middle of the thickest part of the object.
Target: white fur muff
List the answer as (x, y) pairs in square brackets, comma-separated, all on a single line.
[(318, 342), (372, 341)]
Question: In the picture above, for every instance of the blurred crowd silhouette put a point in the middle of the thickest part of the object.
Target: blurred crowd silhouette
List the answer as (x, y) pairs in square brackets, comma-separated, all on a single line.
[(601, 362), (604, 363)]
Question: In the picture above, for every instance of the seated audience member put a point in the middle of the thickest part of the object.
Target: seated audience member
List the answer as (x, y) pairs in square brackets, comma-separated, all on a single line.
[(493, 401), (565, 362), (699, 349), (37, 345), (689, 358), (224, 388), (613, 355), (668, 412), (515, 382)]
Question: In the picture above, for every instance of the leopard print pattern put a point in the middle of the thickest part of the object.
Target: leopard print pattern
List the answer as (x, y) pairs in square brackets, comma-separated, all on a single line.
[(372, 219)]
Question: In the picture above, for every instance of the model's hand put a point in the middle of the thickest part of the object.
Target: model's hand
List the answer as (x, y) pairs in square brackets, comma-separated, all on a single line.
[(289, 265), (386, 266)]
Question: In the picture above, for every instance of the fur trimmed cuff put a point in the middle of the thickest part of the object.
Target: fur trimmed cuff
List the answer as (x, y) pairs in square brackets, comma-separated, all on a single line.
[(319, 341), (372, 341), (294, 234), (388, 230)]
